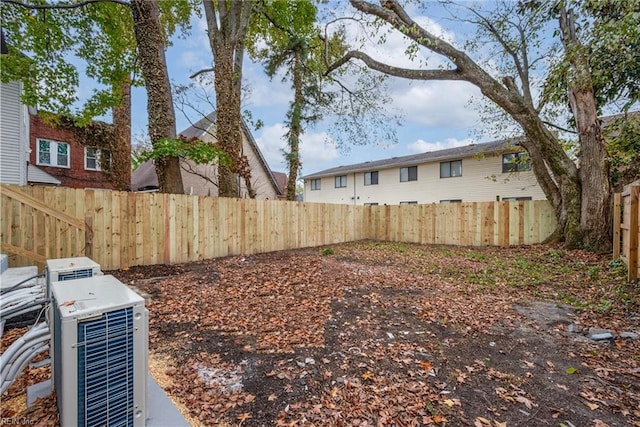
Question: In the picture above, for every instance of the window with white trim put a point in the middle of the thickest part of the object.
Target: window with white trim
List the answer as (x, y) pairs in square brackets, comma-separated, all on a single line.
[(95, 158), (411, 202), (52, 153)]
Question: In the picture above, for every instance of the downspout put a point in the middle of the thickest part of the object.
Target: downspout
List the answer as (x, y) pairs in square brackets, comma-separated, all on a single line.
[(354, 189)]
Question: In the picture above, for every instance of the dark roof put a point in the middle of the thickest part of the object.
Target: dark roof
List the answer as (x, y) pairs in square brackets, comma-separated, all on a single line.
[(417, 159), (145, 177), (282, 180)]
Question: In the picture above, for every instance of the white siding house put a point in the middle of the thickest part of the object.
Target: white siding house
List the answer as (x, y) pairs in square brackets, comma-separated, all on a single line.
[(14, 135), (475, 173)]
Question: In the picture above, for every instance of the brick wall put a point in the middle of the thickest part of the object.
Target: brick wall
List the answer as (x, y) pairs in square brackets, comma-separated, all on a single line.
[(75, 176)]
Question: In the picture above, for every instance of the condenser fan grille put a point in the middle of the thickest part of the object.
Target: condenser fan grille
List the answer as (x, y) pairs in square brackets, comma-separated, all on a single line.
[(105, 370)]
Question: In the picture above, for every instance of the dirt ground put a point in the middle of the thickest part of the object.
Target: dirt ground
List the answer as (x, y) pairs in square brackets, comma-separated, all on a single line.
[(387, 334)]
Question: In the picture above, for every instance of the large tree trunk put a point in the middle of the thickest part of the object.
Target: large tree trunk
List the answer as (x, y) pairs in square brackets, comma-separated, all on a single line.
[(295, 130), (581, 206), (594, 167), (227, 24), (162, 120), (121, 154)]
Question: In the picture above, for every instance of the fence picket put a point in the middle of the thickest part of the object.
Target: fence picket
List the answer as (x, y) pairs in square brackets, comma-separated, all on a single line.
[(126, 229)]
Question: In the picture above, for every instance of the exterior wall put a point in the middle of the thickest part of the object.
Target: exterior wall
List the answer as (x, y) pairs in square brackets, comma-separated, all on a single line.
[(482, 180), (75, 176), (196, 185), (14, 131)]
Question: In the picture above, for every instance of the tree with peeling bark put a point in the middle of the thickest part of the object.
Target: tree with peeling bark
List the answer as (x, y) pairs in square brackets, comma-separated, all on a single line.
[(106, 34), (581, 204), (227, 24)]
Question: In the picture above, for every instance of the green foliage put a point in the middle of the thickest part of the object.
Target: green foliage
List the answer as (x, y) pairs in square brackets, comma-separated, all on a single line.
[(49, 48), (327, 251), (196, 150)]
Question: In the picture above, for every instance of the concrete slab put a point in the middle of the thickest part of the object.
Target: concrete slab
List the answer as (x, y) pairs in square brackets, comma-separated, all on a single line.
[(162, 411), (36, 391), (15, 275)]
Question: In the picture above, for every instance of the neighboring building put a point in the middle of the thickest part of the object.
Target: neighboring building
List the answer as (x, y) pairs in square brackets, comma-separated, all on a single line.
[(282, 180), (497, 170), (14, 135), (14, 140), (201, 179), (76, 164)]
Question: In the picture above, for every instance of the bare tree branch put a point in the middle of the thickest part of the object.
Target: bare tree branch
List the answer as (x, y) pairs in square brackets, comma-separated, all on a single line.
[(62, 5), (396, 71), (197, 73)]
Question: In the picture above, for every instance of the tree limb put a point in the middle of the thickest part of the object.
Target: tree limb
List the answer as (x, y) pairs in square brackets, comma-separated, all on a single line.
[(62, 5), (396, 71), (197, 73)]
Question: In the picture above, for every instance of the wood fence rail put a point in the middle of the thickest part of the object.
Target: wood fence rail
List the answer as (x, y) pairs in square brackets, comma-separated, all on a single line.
[(119, 229), (626, 229)]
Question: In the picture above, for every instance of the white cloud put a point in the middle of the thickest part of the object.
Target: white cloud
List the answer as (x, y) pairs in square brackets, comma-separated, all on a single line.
[(316, 149), (421, 146), (440, 104)]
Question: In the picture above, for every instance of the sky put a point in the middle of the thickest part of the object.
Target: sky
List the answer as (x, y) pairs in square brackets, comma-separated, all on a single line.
[(435, 115)]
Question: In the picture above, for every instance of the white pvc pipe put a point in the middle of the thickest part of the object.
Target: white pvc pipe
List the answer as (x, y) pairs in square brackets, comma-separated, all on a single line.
[(19, 366), (34, 333)]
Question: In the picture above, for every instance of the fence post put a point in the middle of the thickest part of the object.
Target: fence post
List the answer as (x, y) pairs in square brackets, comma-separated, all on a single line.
[(633, 233), (616, 225)]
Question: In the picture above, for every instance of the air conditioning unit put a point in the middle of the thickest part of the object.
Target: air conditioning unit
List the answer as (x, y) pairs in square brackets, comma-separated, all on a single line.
[(100, 340), (63, 269)]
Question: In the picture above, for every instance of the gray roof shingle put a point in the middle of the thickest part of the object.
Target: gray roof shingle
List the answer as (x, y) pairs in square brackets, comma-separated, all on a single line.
[(417, 159)]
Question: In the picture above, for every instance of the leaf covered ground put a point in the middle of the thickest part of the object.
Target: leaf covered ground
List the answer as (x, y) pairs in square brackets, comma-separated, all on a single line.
[(388, 334)]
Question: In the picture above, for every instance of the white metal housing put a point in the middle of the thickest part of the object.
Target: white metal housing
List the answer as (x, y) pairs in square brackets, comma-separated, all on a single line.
[(100, 330), (61, 269)]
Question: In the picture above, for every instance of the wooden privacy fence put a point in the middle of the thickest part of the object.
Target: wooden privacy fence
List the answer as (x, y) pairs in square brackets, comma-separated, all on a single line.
[(118, 229), (626, 229)]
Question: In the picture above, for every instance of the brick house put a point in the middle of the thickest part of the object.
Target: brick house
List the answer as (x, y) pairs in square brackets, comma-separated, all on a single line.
[(61, 152)]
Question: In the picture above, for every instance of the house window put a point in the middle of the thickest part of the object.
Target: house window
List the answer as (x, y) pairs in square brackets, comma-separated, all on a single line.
[(451, 169), (95, 158), (341, 181), (451, 201), (371, 204), (52, 153), (516, 199), (315, 184), (409, 174), (371, 178), (413, 202), (516, 162)]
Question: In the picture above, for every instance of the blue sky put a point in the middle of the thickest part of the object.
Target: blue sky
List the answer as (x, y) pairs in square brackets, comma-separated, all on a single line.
[(436, 115)]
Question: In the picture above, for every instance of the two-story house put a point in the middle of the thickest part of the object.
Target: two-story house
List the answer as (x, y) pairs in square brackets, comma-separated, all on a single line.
[(201, 179), (62, 152), (15, 147), (498, 170)]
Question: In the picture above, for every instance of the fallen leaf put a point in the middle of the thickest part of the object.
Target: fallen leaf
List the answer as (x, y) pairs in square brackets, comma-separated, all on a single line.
[(480, 422), (367, 376), (426, 366), (571, 370), (272, 397), (591, 406), (244, 417)]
